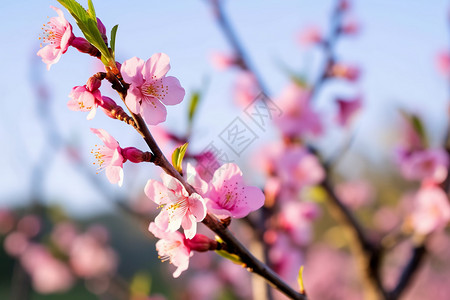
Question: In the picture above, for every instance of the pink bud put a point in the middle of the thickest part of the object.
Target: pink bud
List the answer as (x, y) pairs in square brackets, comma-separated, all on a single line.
[(93, 83), (344, 5), (102, 30), (343, 71), (133, 154), (84, 46), (200, 243), (350, 28)]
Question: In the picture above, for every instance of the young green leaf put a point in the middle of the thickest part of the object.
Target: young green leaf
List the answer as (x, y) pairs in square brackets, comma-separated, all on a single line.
[(177, 157), (300, 280), (113, 40), (193, 104), (91, 10)]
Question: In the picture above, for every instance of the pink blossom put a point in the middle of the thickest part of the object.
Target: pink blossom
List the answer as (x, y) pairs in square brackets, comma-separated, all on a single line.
[(222, 61), (443, 63), (109, 157), (86, 97), (171, 247), (351, 27), (64, 235), (15, 243), (355, 193), (245, 89), (229, 196), (298, 118), (295, 218), (178, 207), (58, 34), (310, 36), (297, 167), (207, 164), (48, 275), (90, 257), (30, 225), (204, 286), (431, 164), (347, 110), (431, 210), (150, 89), (7, 221)]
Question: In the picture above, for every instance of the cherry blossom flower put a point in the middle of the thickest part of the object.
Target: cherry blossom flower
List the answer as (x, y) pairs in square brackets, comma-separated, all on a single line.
[(443, 63), (347, 109), (229, 196), (310, 36), (431, 211), (298, 118), (355, 193), (171, 247), (150, 89), (109, 157), (295, 218), (428, 164), (245, 89), (86, 97), (222, 61), (58, 34), (178, 207), (344, 71)]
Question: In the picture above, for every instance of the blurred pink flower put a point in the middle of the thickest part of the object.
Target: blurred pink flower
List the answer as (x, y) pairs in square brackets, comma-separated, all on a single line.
[(222, 61), (90, 257), (171, 247), (7, 221), (109, 157), (443, 63), (150, 89), (286, 259), (351, 27), (347, 110), (310, 36), (15, 243), (48, 274), (298, 168), (297, 118), (58, 34), (431, 210), (178, 207), (30, 225), (64, 235), (295, 218), (246, 89), (355, 194), (204, 286), (344, 71), (429, 164), (229, 196)]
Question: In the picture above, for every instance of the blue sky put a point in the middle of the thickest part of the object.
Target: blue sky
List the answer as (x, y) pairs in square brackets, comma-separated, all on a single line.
[(396, 51)]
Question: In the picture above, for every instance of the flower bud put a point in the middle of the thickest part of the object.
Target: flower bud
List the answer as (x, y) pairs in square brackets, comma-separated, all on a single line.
[(201, 243), (82, 45), (343, 71), (134, 155), (93, 83)]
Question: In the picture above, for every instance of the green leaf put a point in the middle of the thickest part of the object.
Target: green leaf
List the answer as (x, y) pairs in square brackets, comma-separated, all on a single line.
[(300, 280), (113, 39), (233, 257), (87, 22), (91, 10), (177, 157), (193, 104), (417, 125)]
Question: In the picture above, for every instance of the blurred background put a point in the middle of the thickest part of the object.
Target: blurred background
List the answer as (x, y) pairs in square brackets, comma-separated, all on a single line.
[(46, 147)]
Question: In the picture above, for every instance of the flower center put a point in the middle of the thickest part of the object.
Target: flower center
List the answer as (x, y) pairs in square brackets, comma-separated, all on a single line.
[(167, 250), (154, 89), (101, 156), (51, 34)]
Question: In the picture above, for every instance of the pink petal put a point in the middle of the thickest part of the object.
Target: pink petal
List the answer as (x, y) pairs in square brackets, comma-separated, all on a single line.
[(133, 99), (92, 113), (162, 221), (153, 112), (175, 92), (131, 70), (50, 55), (254, 199), (190, 226), (195, 180), (157, 192), (197, 207), (157, 66), (114, 174), (106, 138)]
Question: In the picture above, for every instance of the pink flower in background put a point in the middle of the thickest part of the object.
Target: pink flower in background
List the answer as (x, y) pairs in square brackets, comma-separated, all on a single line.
[(347, 110), (207, 164), (297, 118), (171, 247), (64, 235), (245, 89), (58, 34), (15, 243), (430, 164), (178, 207), (7, 221), (150, 88), (310, 36), (90, 257), (222, 61), (297, 167), (229, 196), (355, 193), (48, 275), (109, 157), (443, 63), (295, 218), (431, 210)]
